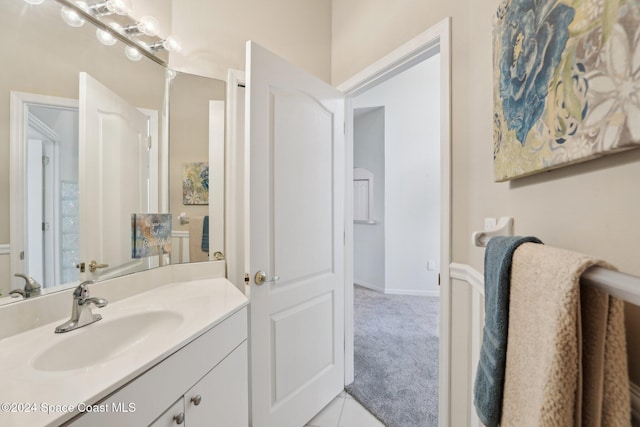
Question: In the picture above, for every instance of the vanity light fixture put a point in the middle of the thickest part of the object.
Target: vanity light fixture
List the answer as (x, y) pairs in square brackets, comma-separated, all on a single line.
[(140, 36), (132, 53), (71, 17), (148, 25), (105, 37), (109, 7), (170, 44)]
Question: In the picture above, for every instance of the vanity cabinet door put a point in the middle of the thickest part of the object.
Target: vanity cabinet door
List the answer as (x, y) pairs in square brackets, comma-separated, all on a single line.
[(221, 398), (172, 417)]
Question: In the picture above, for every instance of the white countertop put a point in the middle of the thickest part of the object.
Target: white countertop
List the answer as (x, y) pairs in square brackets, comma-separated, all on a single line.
[(32, 397)]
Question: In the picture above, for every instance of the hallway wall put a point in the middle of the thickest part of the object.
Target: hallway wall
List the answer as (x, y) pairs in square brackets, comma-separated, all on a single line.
[(412, 176)]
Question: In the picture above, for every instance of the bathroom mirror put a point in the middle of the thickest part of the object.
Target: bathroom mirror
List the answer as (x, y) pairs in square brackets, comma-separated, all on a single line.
[(45, 60), (196, 167)]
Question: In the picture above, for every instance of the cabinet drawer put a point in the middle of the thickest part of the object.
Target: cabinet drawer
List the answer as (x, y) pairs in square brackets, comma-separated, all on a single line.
[(157, 389)]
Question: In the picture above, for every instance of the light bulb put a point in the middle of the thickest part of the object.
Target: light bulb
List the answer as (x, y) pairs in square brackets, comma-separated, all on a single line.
[(172, 45), (34, 2), (71, 17), (121, 7), (105, 37), (132, 53), (149, 26)]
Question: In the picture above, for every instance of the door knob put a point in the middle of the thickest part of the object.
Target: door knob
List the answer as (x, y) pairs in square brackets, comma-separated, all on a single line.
[(93, 266), (261, 277)]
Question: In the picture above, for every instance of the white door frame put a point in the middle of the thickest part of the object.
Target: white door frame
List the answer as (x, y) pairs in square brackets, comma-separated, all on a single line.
[(404, 57)]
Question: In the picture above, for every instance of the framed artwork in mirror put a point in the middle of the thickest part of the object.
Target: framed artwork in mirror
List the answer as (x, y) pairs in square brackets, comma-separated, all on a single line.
[(195, 183), (566, 83), (150, 234)]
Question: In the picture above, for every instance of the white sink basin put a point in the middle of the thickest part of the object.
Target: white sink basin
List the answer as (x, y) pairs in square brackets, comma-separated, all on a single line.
[(87, 364), (105, 340)]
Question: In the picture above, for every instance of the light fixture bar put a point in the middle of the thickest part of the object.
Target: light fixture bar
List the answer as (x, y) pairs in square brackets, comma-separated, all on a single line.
[(102, 8), (122, 37), (132, 30)]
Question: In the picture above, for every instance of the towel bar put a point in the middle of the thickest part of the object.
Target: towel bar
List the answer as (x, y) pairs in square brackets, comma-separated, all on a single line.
[(621, 285)]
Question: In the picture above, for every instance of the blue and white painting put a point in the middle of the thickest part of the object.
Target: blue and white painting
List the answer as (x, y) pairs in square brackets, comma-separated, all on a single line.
[(566, 82)]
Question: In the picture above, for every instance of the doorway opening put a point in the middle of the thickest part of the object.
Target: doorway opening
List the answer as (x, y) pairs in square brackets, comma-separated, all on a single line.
[(436, 40), (396, 140)]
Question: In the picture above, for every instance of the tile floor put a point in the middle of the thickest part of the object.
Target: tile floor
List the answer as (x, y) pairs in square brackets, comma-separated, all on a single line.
[(344, 411)]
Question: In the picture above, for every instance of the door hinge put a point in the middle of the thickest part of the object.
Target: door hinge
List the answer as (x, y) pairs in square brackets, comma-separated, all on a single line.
[(45, 160), (149, 142), (438, 279), (21, 255)]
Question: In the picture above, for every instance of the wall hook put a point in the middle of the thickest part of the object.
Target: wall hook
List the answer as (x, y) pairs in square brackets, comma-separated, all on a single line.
[(503, 228)]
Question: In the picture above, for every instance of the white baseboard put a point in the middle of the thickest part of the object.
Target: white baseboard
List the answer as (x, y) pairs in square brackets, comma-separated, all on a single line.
[(368, 286), (5, 249), (397, 291), (412, 292), (635, 404)]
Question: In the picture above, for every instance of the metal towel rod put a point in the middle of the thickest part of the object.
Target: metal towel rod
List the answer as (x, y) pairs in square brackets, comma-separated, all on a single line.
[(622, 285)]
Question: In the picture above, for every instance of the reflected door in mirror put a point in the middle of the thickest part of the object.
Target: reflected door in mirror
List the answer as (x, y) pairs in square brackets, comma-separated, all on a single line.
[(115, 152)]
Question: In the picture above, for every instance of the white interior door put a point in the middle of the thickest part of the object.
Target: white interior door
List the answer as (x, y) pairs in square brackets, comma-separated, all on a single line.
[(295, 126), (112, 132)]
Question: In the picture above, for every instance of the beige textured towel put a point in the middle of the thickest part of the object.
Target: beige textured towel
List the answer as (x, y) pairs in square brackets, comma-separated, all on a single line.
[(566, 350), (196, 254)]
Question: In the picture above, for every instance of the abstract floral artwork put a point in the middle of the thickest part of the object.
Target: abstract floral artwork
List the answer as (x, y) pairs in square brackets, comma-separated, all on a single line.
[(566, 82), (195, 185)]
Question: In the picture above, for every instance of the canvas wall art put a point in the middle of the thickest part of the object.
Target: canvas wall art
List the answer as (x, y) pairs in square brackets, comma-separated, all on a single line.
[(195, 184), (566, 82), (150, 235)]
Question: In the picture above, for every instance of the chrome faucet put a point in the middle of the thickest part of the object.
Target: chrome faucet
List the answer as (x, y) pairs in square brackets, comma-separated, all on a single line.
[(31, 287), (80, 310)]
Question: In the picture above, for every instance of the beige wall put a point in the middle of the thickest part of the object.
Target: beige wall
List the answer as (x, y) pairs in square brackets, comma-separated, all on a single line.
[(189, 135), (213, 34), (592, 207)]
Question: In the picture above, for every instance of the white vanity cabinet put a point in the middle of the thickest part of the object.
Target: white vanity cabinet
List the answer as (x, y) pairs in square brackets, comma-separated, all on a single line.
[(218, 399), (204, 383)]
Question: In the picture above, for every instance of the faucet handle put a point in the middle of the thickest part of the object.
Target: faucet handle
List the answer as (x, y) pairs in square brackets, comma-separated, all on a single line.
[(82, 291)]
